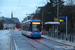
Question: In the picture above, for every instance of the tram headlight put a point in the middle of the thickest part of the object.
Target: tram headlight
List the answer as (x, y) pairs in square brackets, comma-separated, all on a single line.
[(41, 32), (30, 32)]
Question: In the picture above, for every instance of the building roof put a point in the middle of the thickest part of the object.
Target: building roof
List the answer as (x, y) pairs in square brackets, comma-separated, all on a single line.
[(7, 20), (16, 20)]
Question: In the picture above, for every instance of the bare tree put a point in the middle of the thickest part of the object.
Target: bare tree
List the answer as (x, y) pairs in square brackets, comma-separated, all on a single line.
[(70, 2)]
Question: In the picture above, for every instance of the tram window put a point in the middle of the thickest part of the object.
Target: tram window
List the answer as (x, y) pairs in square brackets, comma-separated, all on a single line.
[(27, 27), (23, 27), (36, 27), (30, 28)]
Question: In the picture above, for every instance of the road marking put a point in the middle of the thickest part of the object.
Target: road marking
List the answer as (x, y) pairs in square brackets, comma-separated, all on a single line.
[(16, 47)]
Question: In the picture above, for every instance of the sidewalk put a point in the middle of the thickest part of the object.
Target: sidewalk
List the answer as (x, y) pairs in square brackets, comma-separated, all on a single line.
[(68, 43), (5, 40)]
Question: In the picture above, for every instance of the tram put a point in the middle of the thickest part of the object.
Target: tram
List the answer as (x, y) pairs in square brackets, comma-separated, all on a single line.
[(32, 28)]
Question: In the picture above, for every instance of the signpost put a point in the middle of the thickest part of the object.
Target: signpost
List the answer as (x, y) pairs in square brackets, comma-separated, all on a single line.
[(56, 19), (64, 19)]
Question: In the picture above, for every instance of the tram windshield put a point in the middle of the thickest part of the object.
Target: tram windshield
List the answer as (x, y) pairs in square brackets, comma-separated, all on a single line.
[(36, 27)]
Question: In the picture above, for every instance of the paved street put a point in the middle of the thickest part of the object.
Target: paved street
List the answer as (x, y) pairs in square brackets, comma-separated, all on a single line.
[(22, 42), (14, 40)]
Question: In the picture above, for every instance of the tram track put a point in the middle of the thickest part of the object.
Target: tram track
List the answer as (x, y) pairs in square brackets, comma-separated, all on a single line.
[(16, 47), (53, 42), (28, 43), (38, 42), (47, 45), (57, 42), (43, 44)]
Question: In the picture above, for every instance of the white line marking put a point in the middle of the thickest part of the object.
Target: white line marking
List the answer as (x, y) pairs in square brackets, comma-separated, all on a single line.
[(16, 47)]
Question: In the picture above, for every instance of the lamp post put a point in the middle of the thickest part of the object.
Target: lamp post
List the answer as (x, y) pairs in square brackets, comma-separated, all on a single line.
[(57, 9), (42, 20), (57, 14)]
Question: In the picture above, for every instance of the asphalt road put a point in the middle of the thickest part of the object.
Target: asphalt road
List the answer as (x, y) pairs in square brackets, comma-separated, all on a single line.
[(21, 42)]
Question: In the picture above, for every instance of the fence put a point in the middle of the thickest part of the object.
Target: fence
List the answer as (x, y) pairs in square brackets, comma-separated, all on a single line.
[(58, 35)]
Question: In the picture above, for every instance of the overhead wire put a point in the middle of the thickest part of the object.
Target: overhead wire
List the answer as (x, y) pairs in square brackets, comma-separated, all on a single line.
[(37, 5), (18, 5), (34, 7), (31, 9)]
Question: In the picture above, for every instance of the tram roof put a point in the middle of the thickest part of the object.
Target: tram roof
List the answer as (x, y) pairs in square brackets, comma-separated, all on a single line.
[(32, 21)]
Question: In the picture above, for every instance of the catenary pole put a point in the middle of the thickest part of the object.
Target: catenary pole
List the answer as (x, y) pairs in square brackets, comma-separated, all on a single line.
[(42, 18), (66, 27), (57, 14), (57, 8)]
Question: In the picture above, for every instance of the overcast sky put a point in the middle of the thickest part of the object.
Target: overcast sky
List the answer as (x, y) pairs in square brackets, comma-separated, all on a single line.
[(19, 7)]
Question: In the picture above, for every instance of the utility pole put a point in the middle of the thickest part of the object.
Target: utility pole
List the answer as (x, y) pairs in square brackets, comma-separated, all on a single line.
[(42, 17), (42, 20), (57, 8), (66, 27), (57, 14)]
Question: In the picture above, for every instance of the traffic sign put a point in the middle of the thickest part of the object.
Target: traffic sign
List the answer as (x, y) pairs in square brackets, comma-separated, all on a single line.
[(62, 18)]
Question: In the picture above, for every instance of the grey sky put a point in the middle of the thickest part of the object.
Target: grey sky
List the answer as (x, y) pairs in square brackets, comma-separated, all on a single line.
[(19, 7)]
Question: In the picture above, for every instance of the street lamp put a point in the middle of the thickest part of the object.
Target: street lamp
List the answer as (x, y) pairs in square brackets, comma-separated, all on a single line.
[(57, 9)]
